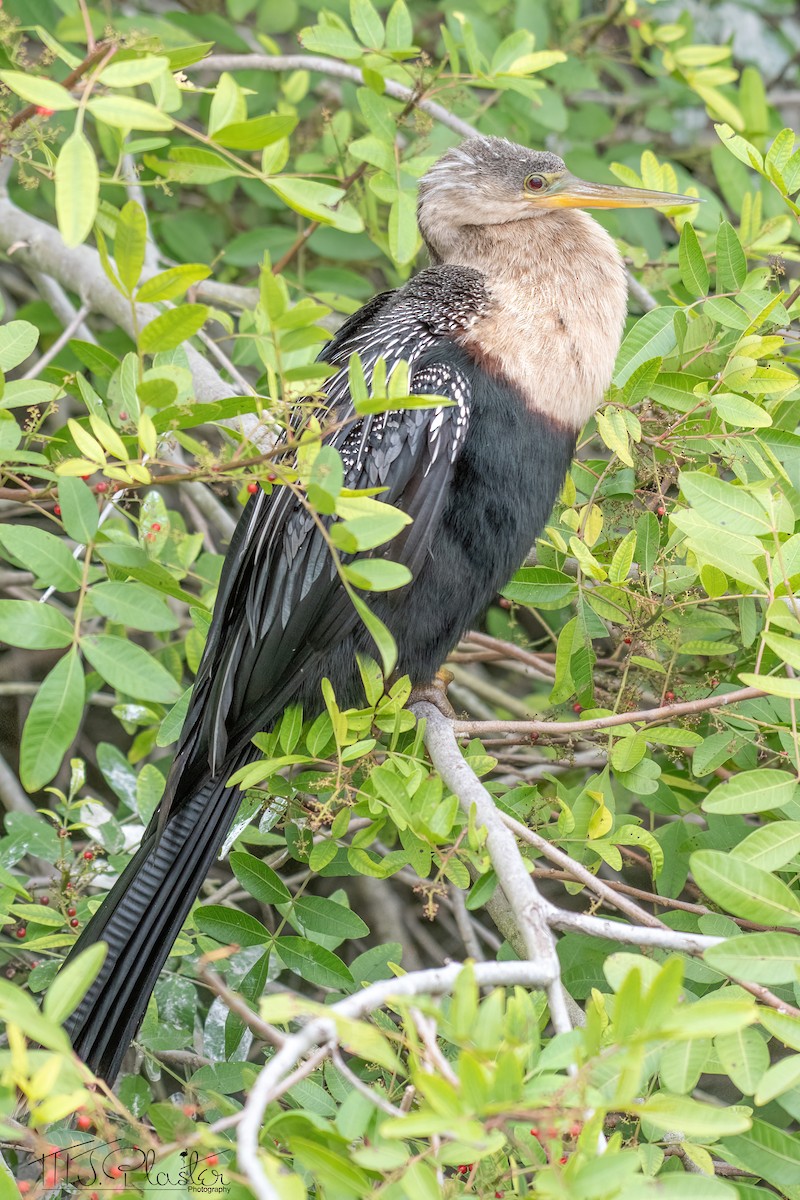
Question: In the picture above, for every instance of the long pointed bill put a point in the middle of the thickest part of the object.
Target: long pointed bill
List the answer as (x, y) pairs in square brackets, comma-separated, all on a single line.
[(572, 192)]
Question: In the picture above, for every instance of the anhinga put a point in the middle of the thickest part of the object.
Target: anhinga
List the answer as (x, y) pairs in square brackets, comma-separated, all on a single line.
[(517, 323)]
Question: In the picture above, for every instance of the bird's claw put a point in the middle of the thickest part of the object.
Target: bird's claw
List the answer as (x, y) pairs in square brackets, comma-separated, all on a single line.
[(435, 693)]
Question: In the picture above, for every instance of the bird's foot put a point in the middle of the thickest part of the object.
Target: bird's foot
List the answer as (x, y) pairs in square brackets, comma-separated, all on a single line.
[(435, 693)]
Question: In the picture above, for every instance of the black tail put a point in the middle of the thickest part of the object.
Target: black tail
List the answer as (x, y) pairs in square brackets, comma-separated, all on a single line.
[(141, 918)]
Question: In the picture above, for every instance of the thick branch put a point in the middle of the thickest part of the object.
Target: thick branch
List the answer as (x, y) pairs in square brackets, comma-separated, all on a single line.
[(512, 872)]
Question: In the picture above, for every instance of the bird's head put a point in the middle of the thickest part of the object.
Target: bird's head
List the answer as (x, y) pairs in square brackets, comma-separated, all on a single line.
[(491, 181)]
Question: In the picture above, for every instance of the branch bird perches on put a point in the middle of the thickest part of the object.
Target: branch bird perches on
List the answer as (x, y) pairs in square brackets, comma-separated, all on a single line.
[(516, 325)]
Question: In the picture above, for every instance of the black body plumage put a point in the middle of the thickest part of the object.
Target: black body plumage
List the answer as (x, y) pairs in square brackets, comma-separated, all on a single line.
[(479, 479)]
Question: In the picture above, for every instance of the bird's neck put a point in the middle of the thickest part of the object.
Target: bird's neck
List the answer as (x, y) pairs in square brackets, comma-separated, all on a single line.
[(558, 297)]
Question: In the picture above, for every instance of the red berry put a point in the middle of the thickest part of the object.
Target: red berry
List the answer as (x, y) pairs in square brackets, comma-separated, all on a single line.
[(67, 887), (660, 510), (577, 707), (535, 1132), (271, 478), (189, 1110), (114, 1172), (212, 1159), (71, 912), (41, 111), (50, 1178), (85, 477), (156, 528), (87, 854), (23, 1186), (252, 488), (44, 900), (123, 416), (93, 1196), (669, 697), (74, 922), (575, 1128), (101, 487), (714, 682), (21, 932), (463, 1169), (84, 1122), (57, 513), (627, 641), (563, 1159)]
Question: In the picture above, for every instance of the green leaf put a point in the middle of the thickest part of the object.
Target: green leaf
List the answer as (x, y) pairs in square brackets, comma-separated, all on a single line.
[(773, 685), (134, 71), (670, 1112), (366, 523), (77, 180), (652, 336), (744, 1055), (171, 726), (367, 23), (313, 963), (316, 201), (45, 93), (738, 410), (169, 329), (18, 341), (133, 604), (731, 262), (399, 30), (325, 480), (256, 133), (174, 282), (52, 722), (783, 1077), (126, 112), (540, 585), (377, 574), (403, 235), (381, 636), (78, 509), (757, 957), (770, 1153), (73, 982), (44, 554), (694, 272), (744, 890), (329, 39), (130, 243), (231, 927), (772, 846), (319, 914), (258, 879), (33, 626), (130, 669), (752, 792), (730, 507)]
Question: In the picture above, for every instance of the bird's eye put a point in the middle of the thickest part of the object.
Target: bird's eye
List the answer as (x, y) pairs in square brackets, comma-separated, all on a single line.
[(535, 183)]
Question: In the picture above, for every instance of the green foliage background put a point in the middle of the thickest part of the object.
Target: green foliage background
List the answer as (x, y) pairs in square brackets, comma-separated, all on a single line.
[(276, 202)]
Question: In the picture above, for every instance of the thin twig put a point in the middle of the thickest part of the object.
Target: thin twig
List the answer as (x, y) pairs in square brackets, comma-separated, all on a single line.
[(647, 715), (58, 345)]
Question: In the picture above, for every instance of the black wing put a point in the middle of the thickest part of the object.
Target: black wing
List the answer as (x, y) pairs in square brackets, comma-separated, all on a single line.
[(281, 607)]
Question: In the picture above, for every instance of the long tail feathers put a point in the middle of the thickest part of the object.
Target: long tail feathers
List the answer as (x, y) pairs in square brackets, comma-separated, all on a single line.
[(140, 920)]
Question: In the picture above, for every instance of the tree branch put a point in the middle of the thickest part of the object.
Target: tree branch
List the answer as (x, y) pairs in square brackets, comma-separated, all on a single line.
[(647, 715), (515, 880)]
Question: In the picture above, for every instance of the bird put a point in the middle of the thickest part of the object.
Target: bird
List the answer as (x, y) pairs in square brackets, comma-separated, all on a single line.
[(516, 324)]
